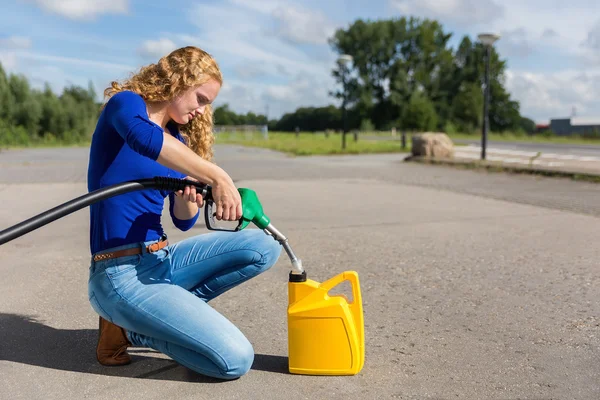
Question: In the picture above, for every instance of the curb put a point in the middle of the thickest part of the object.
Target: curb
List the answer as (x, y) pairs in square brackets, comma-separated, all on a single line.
[(497, 166)]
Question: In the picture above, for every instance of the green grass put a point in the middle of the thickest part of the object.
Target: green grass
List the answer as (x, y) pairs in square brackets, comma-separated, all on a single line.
[(309, 143), (319, 144), (45, 143)]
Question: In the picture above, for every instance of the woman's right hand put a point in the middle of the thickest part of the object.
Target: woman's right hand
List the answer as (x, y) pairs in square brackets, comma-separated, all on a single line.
[(227, 199)]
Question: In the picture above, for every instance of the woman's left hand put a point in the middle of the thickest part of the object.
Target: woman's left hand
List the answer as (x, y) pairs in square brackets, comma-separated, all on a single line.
[(189, 194)]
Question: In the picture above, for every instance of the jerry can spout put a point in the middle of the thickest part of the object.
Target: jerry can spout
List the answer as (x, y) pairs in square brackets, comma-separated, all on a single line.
[(295, 277)]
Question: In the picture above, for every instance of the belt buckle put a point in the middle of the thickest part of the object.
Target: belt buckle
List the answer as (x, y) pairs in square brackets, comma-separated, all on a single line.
[(154, 247)]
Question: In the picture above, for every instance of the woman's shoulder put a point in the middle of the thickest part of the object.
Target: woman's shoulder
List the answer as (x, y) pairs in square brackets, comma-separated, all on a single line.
[(125, 96), (125, 100)]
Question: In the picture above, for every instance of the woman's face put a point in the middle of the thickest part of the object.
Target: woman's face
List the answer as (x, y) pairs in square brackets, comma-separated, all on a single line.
[(191, 103)]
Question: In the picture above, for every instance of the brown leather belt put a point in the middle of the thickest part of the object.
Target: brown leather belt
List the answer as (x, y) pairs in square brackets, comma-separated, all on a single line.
[(132, 251)]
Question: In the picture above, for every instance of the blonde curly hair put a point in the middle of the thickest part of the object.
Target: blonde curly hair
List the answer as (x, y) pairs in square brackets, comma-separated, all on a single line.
[(172, 75)]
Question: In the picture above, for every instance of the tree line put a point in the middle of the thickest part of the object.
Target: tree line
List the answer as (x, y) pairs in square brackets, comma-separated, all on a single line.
[(30, 115), (403, 75)]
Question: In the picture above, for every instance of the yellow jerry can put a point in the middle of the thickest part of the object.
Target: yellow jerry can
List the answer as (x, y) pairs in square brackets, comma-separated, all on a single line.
[(325, 333)]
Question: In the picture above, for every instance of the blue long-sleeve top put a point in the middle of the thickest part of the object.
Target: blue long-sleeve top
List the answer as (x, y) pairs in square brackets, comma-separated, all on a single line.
[(125, 146)]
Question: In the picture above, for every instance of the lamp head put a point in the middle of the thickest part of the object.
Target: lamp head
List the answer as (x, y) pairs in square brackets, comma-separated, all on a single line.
[(488, 39), (345, 59)]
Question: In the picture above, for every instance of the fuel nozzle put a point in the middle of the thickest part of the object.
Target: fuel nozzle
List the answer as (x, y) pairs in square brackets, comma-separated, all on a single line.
[(296, 262), (253, 212)]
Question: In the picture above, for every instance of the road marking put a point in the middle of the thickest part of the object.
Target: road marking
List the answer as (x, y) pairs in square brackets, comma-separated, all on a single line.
[(473, 148), (513, 160)]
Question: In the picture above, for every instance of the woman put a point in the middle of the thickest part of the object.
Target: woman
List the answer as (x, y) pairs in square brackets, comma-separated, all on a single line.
[(147, 291)]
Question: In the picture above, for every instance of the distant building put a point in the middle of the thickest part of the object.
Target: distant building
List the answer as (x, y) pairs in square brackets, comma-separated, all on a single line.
[(575, 125)]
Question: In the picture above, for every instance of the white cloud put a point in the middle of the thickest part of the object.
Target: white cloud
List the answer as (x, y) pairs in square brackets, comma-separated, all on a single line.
[(526, 26), (306, 83), (241, 97), (303, 91), (553, 95), (38, 73), (261, 6), (83, 9), (564, 33), (73, 61), (15, 42), (243, 41), (303, 26), (556, 29), (592, 41), (156, 48), (210, 17), (292, 92), (516, 42), (270, 70), (549, 33), (452, 11), (62, 71), (8, 61), (244, 70)]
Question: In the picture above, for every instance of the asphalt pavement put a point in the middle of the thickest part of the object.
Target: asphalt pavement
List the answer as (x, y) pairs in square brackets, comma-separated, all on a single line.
[(580, 150), (475, 284)]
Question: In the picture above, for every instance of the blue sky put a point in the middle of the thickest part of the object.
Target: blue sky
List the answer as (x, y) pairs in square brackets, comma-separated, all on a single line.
[(274, 53)]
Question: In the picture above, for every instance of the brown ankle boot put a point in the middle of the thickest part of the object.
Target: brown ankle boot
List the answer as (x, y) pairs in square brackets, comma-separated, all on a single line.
[(112, 344)]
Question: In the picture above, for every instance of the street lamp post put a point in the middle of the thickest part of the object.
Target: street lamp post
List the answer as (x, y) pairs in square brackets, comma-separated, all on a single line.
[(488, 40), (343, 61)]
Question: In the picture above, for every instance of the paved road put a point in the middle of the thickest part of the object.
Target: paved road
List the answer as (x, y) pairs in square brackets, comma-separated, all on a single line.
[(565, 157), (554, 161), (475, 285), (580, 150), (553, 148)]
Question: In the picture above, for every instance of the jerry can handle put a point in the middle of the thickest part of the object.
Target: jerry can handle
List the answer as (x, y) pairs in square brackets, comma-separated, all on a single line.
[(350, 276), (355, 307)]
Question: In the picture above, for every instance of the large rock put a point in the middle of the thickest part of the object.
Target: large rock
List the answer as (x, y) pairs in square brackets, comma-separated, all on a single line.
[(432, 144)]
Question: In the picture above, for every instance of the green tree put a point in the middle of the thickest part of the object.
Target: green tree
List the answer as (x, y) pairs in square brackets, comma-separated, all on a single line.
[(420, 113), (392, 59), (50, 107), (27, 110), (467, 107), (222, 115), (527, 125), (311, 119), (504, 112), (6, 98), (27, 113), (254, 119), (470, 67)]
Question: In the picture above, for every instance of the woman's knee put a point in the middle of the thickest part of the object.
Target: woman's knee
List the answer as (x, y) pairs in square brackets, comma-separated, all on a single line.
[(239, 358), (270, 250)]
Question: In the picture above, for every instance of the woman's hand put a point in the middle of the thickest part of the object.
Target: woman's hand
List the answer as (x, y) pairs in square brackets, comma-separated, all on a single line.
[(227, 199), (176, 155), (190, 195)]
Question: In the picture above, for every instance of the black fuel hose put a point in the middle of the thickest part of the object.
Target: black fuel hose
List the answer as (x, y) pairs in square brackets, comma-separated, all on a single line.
[(161, 183)]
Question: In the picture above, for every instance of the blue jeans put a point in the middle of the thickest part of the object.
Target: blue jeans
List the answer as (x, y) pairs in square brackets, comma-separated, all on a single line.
[(160, 298)]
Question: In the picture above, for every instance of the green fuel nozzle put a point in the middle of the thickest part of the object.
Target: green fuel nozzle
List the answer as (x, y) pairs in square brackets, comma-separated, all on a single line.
[(252, 211)]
